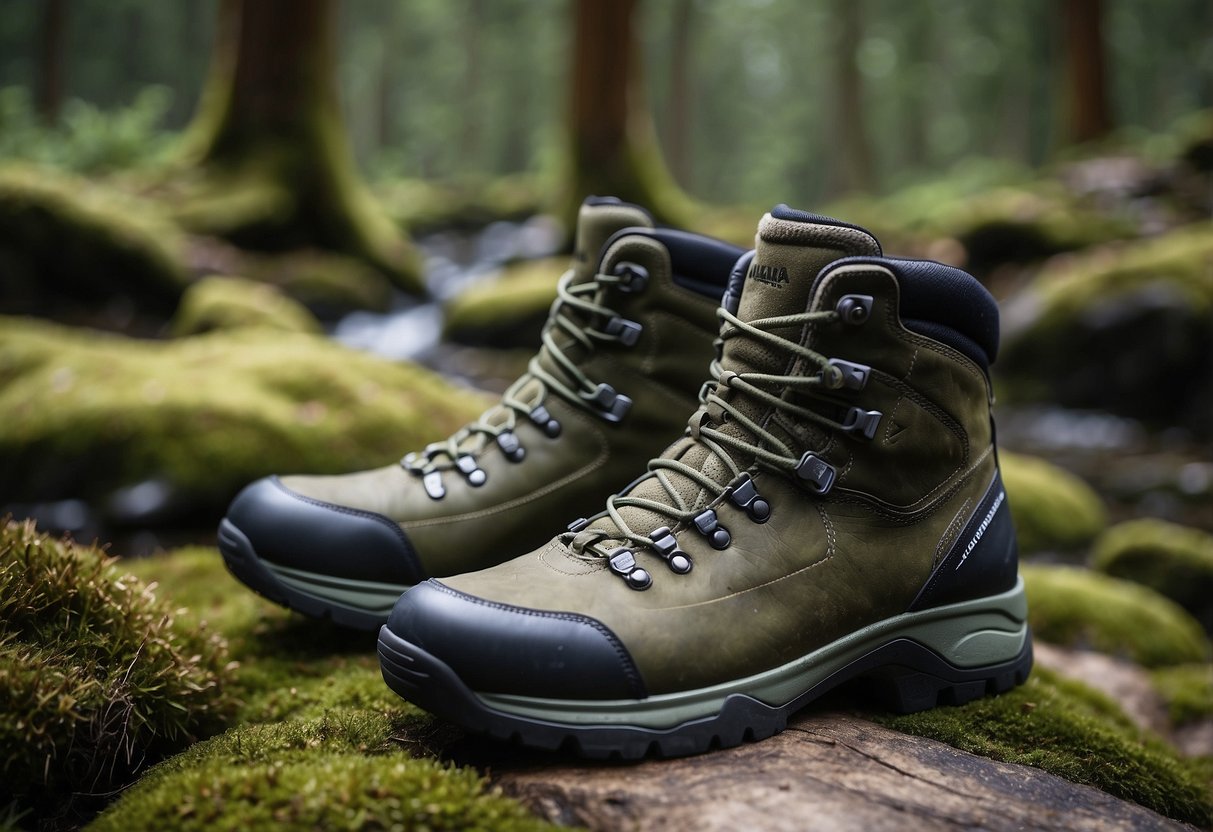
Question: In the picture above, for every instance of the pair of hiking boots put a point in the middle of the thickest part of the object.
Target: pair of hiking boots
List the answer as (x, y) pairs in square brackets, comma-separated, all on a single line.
[(831, 510)]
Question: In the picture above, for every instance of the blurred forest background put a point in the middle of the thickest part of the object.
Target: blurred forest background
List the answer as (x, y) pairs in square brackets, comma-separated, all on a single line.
[(245, 237)]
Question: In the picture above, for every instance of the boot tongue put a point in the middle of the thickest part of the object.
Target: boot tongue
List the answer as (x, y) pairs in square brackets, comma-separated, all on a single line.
[(599, 218), (791, 248)]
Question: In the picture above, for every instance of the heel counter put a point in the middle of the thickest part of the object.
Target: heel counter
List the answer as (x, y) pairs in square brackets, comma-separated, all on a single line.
[(983, 560)]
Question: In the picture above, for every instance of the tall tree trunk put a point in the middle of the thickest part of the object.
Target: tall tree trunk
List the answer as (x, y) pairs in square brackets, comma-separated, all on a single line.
[(612, 144), (1088, 114), (679, 143), (853, 165), (50, 60), (268, 138)]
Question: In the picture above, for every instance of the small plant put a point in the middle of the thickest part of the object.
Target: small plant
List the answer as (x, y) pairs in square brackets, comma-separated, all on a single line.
[(96, 681)]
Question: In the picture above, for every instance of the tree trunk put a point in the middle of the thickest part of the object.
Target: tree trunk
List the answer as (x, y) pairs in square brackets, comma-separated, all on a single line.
[(679, 144), (276, 171), (50, 60), (853, 153), (612, 145), (1089, 116)]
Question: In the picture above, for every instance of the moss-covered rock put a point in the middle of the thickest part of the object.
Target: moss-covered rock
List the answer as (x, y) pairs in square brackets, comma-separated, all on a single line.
[(82, 412), (328, 284), (421, 205), (1174, 560), (340, 771), (97, 677), (1187, 690), (219, 302), (1052, 509), (65, 241), (1068, 729), (1126, 328), (508, 311), (1081, 608)]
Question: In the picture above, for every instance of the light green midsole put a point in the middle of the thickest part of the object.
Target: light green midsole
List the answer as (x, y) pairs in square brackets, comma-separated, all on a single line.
[(971, 634), (367, 596)]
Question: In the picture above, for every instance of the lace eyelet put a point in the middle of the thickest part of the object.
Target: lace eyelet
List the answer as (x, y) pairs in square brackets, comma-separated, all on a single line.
[(709, 526), (510, 446), (665, 544), (745, 496), (635, 277), (854, 309), (546, 422)]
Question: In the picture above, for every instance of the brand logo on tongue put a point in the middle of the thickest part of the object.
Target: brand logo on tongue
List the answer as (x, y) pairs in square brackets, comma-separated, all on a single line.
[(776, 276)]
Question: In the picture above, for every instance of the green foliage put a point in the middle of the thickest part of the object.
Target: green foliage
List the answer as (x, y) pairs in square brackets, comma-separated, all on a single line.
[(340, 771), (1188, 691), (96, 675), (1052, 509), (1080, 608), (84, 412), (219, 302), (1067, 729), (1174, 560), (88, 140)]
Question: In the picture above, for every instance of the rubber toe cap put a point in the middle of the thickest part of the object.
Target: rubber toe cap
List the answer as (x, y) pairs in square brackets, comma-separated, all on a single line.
[(298, 532), (499, 648)]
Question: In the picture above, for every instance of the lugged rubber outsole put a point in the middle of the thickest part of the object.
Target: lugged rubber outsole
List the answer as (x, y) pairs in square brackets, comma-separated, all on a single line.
[(290, 588), (905, 674)]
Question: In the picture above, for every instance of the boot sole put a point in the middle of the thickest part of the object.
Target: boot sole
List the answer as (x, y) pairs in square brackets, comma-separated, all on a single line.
[(944, 656), (359, 605)]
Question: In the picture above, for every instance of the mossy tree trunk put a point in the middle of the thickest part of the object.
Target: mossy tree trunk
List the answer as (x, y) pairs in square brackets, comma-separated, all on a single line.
[(276, 171), (612, 149), (1088, 114), (853, 165)]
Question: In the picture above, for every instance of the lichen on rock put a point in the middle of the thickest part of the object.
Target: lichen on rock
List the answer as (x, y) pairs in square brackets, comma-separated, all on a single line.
[(1053, 510), (1174, 560)]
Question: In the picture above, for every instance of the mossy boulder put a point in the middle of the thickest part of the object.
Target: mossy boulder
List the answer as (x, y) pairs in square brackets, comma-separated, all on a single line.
[(97, 676), (67, 244), (82, 413), (1187, 690), (328, 284), (339, 771), (1052, 509), (219, 302), (1174, 560), (1080, 608), (1070, 730), (421, 205), (508, 311), (1126, 328)]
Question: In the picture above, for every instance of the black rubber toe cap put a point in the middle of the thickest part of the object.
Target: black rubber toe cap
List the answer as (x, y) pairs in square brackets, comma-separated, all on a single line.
[(499, 648), (295, 531)]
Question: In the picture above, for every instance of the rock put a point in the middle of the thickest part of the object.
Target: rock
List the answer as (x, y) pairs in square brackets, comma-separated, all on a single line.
[(1188, 692), (1126, 328), (1174, 560), (97, 677), (508, 311), (1080, 608), (68, 247), (84, 413), (1052, 509), (827, 771), (1125, 683), (219, 302)]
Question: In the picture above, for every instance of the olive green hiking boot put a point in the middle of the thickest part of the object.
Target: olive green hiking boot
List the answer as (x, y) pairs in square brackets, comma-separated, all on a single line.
[(833, 512), (622, 362)]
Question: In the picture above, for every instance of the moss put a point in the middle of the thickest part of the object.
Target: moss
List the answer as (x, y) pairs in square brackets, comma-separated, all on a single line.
[(82, 412), (424, 204), (1067, 729), (97, 676), (64, 240), (1052, 509), (329, 284), (507, 311), (1174, 560), (219, 302), (1187, 690), (1080, 608), (337, 772)]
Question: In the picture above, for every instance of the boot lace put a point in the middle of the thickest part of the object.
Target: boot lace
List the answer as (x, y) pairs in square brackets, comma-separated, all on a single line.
[(754, 443), (578, 313)]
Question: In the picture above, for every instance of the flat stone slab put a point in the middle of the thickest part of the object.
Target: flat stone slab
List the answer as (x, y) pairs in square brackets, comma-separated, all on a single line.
[(825, 772)]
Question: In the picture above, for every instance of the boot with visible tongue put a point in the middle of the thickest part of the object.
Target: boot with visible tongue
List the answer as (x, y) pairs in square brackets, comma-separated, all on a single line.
[(833, 512)]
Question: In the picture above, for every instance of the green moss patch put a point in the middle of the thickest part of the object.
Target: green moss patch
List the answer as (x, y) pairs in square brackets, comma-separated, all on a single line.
[(1067, 729), (1052, 509), (336, 772), (97, 677), (1188, 691), (1080, 608), (1171, 559), (507, 311), (82, 413), (219, 302), (65, 240)]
